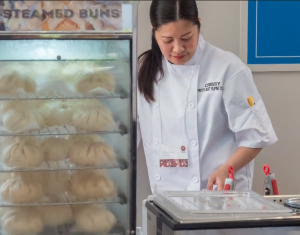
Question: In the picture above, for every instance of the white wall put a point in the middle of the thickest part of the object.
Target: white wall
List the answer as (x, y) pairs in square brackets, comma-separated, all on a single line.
[(280, 91)]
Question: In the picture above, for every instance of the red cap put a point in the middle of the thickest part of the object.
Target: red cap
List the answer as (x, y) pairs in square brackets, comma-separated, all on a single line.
[(266, 169), (231, 171)]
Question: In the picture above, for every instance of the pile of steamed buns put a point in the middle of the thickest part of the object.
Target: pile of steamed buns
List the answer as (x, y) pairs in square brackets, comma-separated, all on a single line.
[(31, 152)]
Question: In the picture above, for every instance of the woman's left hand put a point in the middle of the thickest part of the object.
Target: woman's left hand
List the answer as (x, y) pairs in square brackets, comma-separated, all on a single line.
[(218, 177)]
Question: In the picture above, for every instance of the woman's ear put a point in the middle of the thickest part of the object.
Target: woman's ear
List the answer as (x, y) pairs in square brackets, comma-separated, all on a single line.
[(199, 20), (151, 26)]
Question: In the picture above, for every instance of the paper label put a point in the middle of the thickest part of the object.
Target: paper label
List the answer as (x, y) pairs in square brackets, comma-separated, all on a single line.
[(173, 156)]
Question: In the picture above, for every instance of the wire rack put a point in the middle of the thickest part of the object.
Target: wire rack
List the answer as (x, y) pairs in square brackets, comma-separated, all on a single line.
[(67, 229), (65, 165), (67, 199), (63, 130)]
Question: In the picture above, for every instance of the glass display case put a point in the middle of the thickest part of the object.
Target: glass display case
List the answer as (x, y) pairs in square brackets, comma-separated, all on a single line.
[(67, 131)]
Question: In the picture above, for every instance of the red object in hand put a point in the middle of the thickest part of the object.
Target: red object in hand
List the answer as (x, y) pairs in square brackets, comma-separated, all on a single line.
[(231, 171), (227, 187), (266, 169)]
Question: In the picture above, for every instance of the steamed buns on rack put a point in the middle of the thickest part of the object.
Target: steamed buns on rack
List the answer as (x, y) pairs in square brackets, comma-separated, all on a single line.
[(22, 151), (57, 113), (91, 81), (55, 149), (55, 183), (55, 215), (14, 77), (21, 188), (90, 150), (21, 220), (89, 77), (18, 120), (91, 184), (93, 218), (92, 115)]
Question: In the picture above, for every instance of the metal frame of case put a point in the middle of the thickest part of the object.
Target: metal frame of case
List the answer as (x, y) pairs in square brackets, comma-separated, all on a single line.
[(131, 200)]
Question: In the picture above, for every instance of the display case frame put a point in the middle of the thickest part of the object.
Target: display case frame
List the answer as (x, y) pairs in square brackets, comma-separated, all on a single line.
[(98, 35)]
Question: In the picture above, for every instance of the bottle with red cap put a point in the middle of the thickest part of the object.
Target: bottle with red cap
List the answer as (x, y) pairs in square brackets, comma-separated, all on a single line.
[(270, 184), (229, 182)]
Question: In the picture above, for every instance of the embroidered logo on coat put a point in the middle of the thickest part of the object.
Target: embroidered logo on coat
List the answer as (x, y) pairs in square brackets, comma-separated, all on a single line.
[(211, 86)]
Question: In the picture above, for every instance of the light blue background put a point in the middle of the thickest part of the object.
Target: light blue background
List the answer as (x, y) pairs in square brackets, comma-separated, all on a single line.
[(273, 32)]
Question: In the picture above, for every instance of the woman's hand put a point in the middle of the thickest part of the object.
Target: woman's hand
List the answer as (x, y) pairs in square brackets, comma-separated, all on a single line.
[(218, 177)]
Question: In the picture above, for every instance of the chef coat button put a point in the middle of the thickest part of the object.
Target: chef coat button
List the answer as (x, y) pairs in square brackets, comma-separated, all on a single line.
[(195, 179), (156, 105), (157, 177), (193, 143), (191, 105), (156, 141)]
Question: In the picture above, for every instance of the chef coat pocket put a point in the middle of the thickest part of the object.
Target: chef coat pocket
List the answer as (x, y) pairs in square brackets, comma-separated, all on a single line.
[(261, 116)]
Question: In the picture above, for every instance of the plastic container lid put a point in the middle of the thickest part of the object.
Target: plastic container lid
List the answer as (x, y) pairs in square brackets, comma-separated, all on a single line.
[(210, 205)]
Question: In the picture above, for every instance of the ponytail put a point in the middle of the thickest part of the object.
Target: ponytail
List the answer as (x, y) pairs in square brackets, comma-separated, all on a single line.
[(150, 64)]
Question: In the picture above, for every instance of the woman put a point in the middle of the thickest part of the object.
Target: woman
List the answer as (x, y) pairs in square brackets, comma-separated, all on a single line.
[(199, 111)]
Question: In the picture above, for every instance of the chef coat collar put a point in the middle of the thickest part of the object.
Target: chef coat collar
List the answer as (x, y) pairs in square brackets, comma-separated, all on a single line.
[(200, 48)]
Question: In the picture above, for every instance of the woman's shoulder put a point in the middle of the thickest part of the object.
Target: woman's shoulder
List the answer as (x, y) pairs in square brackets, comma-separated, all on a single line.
[(224, 60)]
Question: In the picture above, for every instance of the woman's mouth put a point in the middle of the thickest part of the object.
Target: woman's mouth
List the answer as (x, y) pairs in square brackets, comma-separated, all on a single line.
[(179, 57)]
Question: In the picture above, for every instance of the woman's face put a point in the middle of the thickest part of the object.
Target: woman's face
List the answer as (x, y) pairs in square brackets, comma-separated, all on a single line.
[(178, 41)]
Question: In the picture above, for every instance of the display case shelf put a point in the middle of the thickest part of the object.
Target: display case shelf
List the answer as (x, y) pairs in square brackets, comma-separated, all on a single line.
[(68, 200), (62, 96), (64, 130), (65, 165)]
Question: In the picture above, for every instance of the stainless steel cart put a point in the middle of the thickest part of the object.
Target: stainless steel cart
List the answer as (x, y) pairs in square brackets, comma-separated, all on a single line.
[(220, 213)]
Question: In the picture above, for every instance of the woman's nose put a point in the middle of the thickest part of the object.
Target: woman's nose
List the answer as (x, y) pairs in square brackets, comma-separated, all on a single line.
[(178, 48)]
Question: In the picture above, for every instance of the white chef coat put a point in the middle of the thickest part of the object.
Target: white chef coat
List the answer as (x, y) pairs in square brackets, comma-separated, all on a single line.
[(208, 112)]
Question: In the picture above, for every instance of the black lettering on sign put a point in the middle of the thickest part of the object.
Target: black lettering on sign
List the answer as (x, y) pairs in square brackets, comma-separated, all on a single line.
[(83, 13), (211, 86), (35, 14), (7, 14), (50, 13), (26, 14)]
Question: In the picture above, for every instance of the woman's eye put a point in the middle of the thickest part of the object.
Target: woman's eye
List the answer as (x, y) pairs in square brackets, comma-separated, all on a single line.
[(167, 42), (186, 39)]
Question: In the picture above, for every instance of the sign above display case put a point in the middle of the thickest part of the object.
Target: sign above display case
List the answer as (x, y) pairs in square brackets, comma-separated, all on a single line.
[(58, 16)]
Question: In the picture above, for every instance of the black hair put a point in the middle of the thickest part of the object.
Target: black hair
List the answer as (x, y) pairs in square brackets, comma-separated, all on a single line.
[(150, 62)]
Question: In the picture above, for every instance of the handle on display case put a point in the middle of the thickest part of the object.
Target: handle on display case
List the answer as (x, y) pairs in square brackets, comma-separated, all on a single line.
[(229, 182), (270, 185)]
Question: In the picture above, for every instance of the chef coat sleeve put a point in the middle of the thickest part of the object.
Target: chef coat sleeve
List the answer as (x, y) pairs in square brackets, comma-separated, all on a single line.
[(251, 124)]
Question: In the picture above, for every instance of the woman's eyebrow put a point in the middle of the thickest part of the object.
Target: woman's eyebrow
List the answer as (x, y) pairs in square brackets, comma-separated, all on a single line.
[(181, 35)]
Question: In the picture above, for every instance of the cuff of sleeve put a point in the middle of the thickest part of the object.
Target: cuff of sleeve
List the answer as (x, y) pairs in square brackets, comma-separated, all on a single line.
[(253, 139)]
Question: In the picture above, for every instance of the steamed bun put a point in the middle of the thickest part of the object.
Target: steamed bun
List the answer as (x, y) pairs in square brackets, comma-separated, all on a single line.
[(93, 219), (21, 190), (55, 149), (23, 154), (13, 77), (16, 120), (57, 113), (93, 119), (55, 183), (12, 140), (20, 105), (20, 221), (88, 152), (88, 185), (88, 76), (92, 80), (55, 215)]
